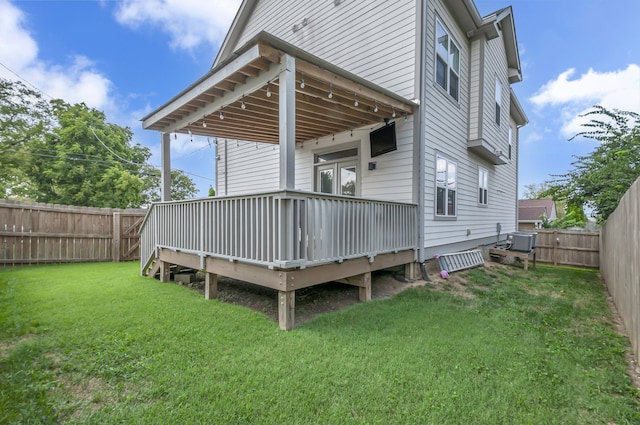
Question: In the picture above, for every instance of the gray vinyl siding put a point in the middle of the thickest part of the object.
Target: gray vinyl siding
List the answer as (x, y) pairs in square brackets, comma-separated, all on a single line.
[(371, 38), (368, 38), (251, 167), (449, 124)]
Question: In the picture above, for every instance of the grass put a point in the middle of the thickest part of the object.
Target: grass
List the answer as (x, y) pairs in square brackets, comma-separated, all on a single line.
[(97, 344)]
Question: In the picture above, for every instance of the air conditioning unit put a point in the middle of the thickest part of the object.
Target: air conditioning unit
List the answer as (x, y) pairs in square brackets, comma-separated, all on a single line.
[(522, 241), (533, 234)]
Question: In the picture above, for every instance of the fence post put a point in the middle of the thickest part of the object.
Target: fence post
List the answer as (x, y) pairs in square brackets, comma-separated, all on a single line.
[(555, 243), (117, 231)]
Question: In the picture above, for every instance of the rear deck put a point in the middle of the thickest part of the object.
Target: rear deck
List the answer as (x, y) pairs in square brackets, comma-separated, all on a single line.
[(284, 240)]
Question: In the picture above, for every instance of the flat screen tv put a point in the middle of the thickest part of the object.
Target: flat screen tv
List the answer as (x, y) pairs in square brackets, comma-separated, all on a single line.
[(383, 140)]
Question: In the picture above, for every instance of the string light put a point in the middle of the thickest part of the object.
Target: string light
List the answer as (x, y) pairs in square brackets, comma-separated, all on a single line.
[(242, 105), (204, 124), (221, 114), (375, 108), (269, 89), (355, 100), (302, 81), (189, 130), (330, 95), (393, 113)]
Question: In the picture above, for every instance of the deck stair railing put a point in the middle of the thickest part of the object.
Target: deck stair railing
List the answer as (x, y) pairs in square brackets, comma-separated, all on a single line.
[(283, 229)]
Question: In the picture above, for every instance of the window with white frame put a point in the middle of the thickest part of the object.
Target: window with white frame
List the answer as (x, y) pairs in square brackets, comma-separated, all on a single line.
[(447, 61), (498, 100), (446, 187), (483, 186)]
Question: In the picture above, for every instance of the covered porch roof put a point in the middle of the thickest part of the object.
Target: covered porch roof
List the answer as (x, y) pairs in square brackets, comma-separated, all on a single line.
[(240, 97)]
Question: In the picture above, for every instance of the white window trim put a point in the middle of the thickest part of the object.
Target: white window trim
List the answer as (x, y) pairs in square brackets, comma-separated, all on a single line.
[(449, 68), (483, 202), (335, 164), (446, 197), (497, 97)]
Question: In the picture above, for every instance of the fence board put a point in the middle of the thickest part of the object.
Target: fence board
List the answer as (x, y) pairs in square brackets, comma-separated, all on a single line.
[(569, 248), (32, 233), (620, 261)]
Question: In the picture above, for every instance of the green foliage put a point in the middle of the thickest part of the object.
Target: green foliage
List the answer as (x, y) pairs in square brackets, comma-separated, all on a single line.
[(60, 153), (94, 343), (600, 179), (574, 217), (25, 119), (182, 187), (212, 191)]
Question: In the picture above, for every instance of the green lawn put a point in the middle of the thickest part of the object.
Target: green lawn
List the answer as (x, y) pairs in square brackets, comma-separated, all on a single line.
[(96, 343)]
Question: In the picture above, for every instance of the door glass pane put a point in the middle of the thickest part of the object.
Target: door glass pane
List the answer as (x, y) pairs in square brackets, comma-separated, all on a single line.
[(348, 181), (326, 181)]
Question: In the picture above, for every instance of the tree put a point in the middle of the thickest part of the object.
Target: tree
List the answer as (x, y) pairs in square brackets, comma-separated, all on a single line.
[(600, 179), (182, 187), (90, 161), (25, 119), (68, 154)]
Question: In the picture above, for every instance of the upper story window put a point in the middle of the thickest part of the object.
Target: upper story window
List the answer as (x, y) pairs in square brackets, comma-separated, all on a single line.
[(483, 186), (498, 100), (447, 61), (446, 187)]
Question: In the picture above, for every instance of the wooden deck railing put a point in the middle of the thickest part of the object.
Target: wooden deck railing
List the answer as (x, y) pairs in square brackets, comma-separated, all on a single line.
[(284, 229)]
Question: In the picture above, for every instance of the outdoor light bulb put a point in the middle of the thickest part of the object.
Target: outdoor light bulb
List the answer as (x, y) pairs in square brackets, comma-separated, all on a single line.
[(330, 95), (302, 81), (268, 90), (189, 132), (243, 106), (375, 108), (393, 114), (204, 124), (355, 101), (221, 115)]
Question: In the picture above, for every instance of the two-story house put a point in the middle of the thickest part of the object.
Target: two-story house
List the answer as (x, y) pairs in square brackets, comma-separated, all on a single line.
[(351, 136)]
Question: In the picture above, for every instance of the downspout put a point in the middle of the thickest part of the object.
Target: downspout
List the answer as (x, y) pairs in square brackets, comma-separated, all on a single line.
[(419, 124)]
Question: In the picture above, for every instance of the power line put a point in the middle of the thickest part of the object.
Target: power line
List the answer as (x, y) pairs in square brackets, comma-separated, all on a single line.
[(26, 81)]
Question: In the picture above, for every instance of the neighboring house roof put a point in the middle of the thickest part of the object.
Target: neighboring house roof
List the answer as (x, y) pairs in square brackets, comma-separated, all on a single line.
[(533, 209)]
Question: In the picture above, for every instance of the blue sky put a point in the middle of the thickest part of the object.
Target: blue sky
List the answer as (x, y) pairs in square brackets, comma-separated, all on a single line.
[(128, 57)]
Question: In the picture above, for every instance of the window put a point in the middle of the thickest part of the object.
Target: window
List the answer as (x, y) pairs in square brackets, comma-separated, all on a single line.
[(446, 187), (498, 99), (447, 62), (483, 186), (337, 172), (510, 140)]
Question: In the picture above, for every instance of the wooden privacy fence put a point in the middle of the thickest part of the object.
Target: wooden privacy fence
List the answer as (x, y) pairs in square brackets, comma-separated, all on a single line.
[(568, 248), (620, 261), (32, 233)]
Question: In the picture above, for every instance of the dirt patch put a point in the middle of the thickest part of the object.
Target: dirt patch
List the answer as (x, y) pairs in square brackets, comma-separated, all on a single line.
[(311, 301)]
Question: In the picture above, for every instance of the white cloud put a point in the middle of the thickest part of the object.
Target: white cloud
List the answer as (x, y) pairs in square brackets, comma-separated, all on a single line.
[(618, 89), (189, 23), (77, 81)]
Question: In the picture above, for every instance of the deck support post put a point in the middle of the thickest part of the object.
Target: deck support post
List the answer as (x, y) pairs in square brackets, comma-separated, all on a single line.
[(412, 271), (210, 286), (287, 123), (164, 271), (165, 170), (286, 309), (363, 282)]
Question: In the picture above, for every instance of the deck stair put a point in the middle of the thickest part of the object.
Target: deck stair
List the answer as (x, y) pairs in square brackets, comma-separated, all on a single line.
[(460, 260)]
